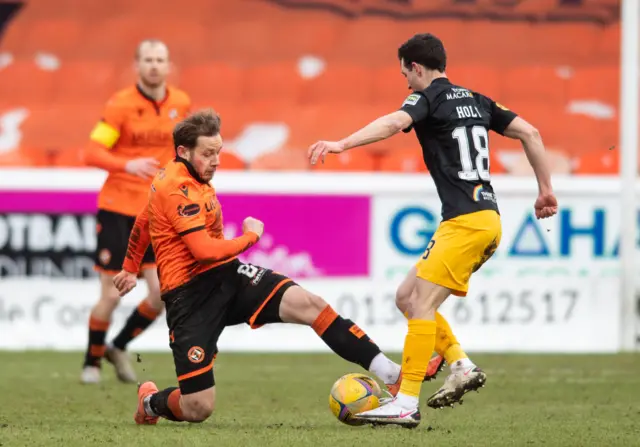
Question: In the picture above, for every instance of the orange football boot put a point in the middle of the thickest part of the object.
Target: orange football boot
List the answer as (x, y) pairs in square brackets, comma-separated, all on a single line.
[(141, 417), (436, 364)]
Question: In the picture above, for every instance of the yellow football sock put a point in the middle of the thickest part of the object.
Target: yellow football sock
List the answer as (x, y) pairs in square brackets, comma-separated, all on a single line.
[(446, 343), (418, 346)]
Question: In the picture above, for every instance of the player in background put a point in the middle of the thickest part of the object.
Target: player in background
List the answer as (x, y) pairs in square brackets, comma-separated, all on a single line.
[(451, 124), (206, 288), (131, 141)]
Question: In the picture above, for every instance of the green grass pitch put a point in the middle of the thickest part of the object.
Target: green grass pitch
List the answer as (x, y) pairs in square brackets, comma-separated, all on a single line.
[(282, 400)]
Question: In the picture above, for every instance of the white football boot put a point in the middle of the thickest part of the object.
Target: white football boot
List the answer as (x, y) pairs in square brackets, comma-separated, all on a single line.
[(390, 413), (122, 363), (90, 375), (456, 385)]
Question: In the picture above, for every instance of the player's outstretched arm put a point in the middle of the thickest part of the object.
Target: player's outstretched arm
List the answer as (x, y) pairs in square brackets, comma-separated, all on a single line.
[(546, 204), (377, 130), (208, 250)]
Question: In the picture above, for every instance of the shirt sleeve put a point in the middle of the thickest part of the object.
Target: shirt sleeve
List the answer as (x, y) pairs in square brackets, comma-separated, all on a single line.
[(107, 131), (209, 250), (501, 117), (417, 106), (139, 241), (184, 210), (188, 219)]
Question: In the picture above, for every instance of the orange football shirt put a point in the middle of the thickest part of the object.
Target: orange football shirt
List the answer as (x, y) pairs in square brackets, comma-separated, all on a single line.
[(183, 222), (134, 125)]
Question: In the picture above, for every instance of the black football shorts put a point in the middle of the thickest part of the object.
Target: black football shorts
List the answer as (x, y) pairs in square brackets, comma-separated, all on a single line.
[(198, 312), (113, 239)]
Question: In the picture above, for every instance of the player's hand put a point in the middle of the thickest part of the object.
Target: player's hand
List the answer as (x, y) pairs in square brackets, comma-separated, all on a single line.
[(322, 148), (546, 205), (253, 225), (124, 282), (142, 167)]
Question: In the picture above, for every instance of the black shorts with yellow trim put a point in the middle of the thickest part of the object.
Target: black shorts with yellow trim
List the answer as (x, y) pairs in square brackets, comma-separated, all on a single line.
[(113, 239), (198, 312)]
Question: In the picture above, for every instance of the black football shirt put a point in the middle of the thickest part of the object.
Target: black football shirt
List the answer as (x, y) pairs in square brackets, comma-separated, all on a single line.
[(452, 125)]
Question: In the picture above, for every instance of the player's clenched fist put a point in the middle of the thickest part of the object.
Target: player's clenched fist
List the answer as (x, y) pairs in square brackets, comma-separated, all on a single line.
[(253, 225), (124, 282), (546, 205)]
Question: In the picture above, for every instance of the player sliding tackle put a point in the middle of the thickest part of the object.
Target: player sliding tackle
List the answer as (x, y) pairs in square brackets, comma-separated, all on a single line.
[(206, 288), (452, 124)]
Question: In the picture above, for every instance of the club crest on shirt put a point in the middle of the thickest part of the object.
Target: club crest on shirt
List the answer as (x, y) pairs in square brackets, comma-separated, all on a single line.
[(173, 114)]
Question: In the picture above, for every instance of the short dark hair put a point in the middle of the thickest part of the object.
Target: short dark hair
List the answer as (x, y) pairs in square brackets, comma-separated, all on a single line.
[(204, 123), (424, 49)]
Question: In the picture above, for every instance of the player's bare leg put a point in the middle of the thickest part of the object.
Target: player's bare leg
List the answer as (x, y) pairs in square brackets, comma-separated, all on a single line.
[(343, 336), (140, 319), (99, 320), (419, 344), (172, 405)]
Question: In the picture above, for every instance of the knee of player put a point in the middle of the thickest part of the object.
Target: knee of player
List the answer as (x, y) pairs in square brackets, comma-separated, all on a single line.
[(111, 296), (307, 307), (154, 293), (315, 304), (402, 299), (198, 410)]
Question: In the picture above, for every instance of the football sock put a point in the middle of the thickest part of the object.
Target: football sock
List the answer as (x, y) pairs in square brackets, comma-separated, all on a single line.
[(137, 322), (446, 343), (345, 338), (165, 403), (418, 346), (462, 365), (97, 334), (385, 368)]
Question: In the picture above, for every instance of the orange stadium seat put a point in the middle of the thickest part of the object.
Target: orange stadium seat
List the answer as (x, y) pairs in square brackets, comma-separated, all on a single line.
[(389, 86), (59, 36), (231, 161), (79, 82), (601, 162), (285, 159), (601, 83), (530, 83), (300, 41), (347, 83), (275, 81), (24, 83), (355, 160), (211, 82), (57, 127), (408, 160)]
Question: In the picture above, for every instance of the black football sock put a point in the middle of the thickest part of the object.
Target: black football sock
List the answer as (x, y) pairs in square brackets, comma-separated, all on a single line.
[(139, 320), (97, 334), (166, 403), (345, 338)]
